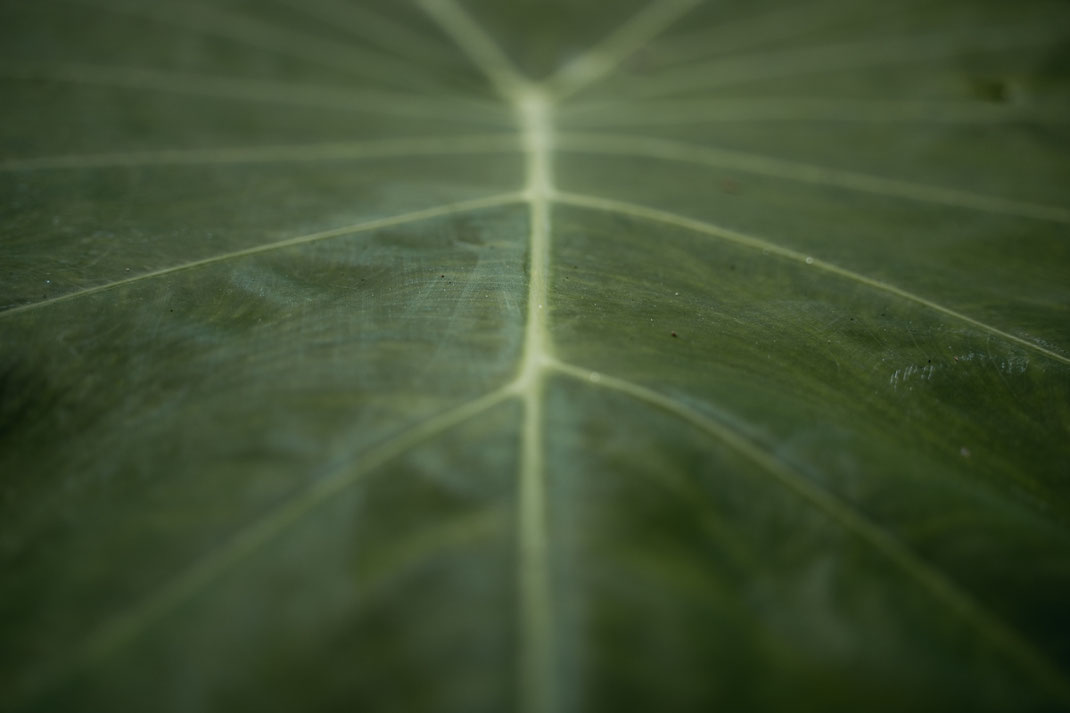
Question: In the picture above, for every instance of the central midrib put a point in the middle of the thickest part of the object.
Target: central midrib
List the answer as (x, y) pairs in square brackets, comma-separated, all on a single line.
[(533, 105), (534, 113), (534, 108)]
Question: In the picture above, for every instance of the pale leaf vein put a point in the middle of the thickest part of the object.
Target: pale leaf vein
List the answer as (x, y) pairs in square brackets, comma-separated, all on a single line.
[(423, 214), (667, 150), (647, 213), (843, 513)]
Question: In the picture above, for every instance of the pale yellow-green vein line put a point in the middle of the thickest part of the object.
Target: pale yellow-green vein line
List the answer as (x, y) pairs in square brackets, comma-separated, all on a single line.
[(538, 684), (602, 59), (416, 215), (938, 585), (811, 109), (121, 631), (339, 151), (848, 57), (481, 50), (698, 226), (534, 112), (645, 147)]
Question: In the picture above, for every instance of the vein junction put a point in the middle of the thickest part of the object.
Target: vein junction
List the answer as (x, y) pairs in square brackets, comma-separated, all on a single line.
[(533, 105), (535, 115)]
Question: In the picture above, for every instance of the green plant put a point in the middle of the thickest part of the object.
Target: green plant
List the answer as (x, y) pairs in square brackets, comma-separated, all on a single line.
[(722, 366)]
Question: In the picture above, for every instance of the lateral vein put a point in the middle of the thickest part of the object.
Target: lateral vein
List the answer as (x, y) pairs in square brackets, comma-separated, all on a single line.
[(424, 214), (646, 147), (810, 109), (338, 151), (940, 586), (746, 69), (698, 226), (471, 39), (128, 626), (606, 56)]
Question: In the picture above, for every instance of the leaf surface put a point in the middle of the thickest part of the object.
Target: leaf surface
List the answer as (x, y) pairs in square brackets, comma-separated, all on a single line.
[(548, 356)]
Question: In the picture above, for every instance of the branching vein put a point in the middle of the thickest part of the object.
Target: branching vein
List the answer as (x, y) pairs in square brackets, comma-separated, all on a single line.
[(698, 226), (127, 627), (340, 151), (849, 57), (538, 681), (814, 109), (480, 48), (533, 105), (645, 147), (534, 112), (605, 57), (426, 213), (942, 588)]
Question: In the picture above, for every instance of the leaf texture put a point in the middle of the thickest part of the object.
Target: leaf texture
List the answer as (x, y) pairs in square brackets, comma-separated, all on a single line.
[(537, 356)]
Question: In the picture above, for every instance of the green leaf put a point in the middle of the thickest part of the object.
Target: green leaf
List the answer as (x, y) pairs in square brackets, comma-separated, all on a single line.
[(548, 356)]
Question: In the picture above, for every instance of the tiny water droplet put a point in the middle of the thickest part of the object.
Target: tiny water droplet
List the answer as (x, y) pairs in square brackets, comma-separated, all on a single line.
[(809, 260)]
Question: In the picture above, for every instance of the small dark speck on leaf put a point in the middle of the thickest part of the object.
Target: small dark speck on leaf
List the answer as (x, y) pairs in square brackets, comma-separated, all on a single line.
[(441, 275), (991, 90), (674, 334)]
